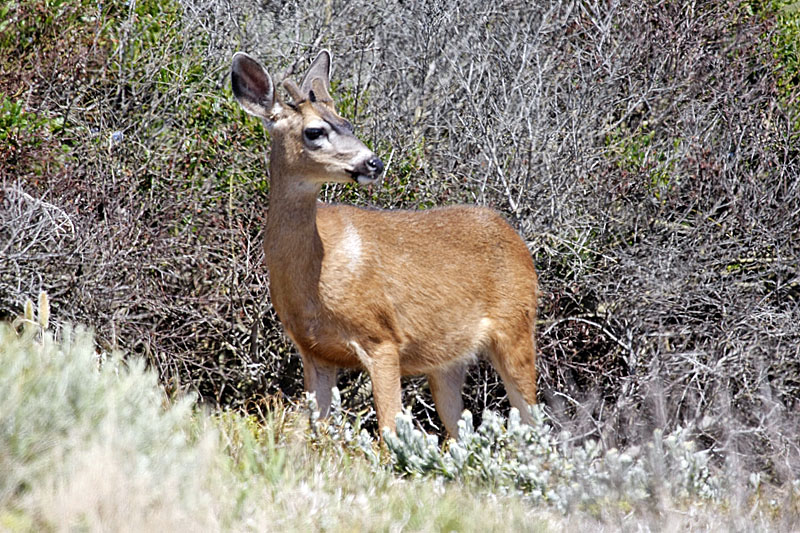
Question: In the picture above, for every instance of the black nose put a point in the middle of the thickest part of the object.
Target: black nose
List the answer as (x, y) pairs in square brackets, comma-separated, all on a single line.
[(375, 165)]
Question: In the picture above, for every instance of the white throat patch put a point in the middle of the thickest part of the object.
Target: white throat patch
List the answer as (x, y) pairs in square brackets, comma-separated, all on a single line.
[(350, 247)]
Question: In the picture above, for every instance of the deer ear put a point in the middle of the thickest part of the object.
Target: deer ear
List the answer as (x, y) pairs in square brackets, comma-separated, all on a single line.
[(253, 87), (320, 69)]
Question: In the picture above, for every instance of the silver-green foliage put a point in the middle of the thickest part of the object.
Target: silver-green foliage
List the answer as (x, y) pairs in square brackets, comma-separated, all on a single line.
[(72, 418), (90, 442), (543, 465)]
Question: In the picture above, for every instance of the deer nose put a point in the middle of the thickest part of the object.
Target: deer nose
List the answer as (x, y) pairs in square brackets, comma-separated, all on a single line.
[(375, 165)]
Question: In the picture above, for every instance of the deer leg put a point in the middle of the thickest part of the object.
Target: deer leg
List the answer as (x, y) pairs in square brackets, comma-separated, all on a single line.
[(446, 384), (319, 379), (515, 361), (383, 365)]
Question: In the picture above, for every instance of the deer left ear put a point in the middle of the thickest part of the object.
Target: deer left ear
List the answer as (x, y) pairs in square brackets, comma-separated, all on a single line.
[(253, 88), (319, 72)]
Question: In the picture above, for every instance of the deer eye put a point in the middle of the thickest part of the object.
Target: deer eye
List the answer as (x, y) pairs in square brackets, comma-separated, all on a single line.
[(312, 134)]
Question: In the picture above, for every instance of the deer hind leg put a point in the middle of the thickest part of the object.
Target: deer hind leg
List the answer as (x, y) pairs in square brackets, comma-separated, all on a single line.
[(514, 358), (319, 379), (446, 384)]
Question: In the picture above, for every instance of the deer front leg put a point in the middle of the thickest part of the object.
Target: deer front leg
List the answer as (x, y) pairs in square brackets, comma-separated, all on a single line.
[(383, 364), (386, 389), (319, 379)]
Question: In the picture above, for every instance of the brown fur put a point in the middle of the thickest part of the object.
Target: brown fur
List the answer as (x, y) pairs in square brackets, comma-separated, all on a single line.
[(395, 292)]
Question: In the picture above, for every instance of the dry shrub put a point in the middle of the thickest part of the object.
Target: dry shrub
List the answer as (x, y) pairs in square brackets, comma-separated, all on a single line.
[(644, 149)]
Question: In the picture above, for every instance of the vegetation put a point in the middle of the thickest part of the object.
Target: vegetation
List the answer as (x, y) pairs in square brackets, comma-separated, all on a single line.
[(89, 440), (647, 151)]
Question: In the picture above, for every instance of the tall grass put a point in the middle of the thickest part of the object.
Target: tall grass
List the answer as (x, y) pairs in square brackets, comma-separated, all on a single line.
[(647, 151), (90, 441)]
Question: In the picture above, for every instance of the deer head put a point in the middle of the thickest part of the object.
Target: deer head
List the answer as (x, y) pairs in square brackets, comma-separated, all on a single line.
[(308, 136)]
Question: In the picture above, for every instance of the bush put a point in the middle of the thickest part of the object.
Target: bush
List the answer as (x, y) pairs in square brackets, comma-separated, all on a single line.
[(85, 438), (90, 441), (647, 152), (650, 483)]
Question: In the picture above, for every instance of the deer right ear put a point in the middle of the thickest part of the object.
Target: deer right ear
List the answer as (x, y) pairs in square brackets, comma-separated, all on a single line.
[(253, 87), (320, 69)]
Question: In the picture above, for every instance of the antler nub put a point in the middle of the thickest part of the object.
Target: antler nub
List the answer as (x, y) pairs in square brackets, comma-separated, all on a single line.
[(293, 90)]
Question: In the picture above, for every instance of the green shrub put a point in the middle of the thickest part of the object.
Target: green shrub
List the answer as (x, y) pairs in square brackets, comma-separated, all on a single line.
[(784, 41), (90, 442), (543, 466), (90, 438), (24, 133)]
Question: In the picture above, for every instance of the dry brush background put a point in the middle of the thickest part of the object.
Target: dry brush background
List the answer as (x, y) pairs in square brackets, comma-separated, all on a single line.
[(647, 151)]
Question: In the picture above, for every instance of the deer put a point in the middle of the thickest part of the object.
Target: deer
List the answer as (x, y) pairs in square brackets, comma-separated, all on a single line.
[(393, 292)]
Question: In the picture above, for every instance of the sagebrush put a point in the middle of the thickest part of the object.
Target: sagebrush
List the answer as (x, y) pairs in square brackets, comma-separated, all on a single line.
[(89, 440), (647, 151)]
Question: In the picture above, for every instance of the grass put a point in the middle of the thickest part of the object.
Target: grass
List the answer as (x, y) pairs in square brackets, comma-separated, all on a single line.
[(90, 441), (132, 187)]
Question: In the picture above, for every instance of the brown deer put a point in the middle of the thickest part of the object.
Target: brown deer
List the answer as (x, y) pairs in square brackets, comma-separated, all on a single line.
[(394, 292)]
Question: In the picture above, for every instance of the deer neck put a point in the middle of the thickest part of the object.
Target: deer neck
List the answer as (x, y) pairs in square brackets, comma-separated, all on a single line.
[(292, 245)]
